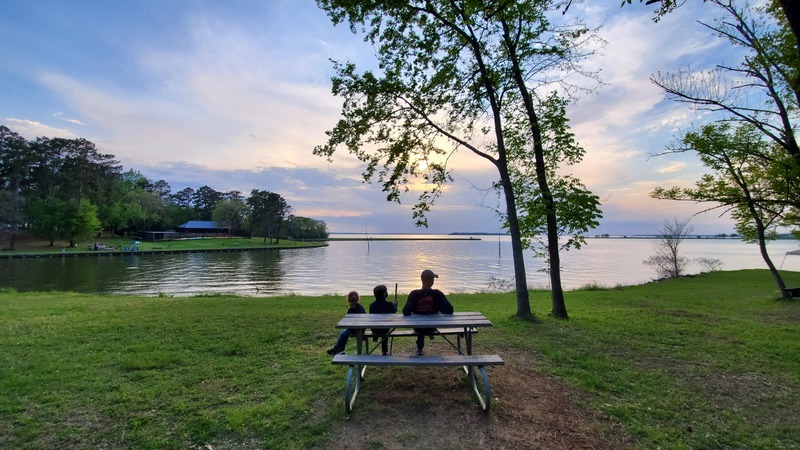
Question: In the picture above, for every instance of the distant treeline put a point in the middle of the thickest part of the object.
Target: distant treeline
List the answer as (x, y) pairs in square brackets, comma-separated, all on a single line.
[(688, 236), (64, 189)]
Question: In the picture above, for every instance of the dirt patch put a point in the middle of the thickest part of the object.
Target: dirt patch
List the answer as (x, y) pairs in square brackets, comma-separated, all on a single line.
[(24, 241), (399, 408)]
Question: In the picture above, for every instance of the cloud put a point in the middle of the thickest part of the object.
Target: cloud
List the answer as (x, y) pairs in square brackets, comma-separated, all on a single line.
[(224, 96), (674, 167), (30, 129), (59, 115)]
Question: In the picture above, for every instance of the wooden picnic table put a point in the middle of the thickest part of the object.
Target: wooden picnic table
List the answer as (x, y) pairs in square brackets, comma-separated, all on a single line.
[(465, 324), (461, 323)]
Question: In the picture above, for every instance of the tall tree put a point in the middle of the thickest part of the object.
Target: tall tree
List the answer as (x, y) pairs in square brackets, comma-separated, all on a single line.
[(668, 261), (762, 90), (45, 167), (163, 189), (183, 197), (151, 207), (85, 172), (80, 220), (789, 8), (575, 210), (53, 218), (299, 227), (120, 211), (453, 74), (205, 200), (753, 152), (233, 195), (231, 213), (15, 161), (748, 180), (268, 212), (71, 169)]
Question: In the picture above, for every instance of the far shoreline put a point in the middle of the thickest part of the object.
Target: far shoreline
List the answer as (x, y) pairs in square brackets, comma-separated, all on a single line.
[(389, 237)]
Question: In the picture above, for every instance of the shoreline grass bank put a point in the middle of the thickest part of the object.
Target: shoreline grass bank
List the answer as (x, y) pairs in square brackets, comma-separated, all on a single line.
[(124, 246), (703, 362)]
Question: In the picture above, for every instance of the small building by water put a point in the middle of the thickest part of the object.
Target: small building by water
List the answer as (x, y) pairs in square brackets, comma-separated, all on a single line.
[(153, 236), (201, 228)]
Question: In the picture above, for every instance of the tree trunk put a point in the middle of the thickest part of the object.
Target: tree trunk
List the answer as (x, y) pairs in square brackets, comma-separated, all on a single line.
[(559, 307), (762, 246), (792, 10), (520, 277)]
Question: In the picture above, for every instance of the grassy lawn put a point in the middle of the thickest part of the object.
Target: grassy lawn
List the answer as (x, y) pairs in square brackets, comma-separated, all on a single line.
[(706, 362), (28, 246)]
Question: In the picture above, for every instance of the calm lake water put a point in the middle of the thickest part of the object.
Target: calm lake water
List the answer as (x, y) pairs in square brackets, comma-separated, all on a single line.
[(463, 266)]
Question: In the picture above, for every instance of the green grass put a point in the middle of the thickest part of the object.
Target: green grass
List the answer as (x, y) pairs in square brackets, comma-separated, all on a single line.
[(119, 243), (706, 362)]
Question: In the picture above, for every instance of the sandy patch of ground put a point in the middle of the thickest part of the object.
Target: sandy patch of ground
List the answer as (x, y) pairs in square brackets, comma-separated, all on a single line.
[(435, 408)]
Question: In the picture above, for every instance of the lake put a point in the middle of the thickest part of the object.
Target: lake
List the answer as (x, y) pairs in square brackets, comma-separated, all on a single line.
[(480, 264)]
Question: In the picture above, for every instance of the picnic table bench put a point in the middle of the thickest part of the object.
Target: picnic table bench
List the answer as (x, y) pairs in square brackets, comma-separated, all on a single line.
[(463, 324)]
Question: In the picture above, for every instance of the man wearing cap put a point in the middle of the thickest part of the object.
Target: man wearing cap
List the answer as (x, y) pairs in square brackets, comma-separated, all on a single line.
[(426, 301)]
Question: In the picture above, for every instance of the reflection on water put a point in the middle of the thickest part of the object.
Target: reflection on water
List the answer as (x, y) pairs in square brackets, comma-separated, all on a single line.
[(464, 266)]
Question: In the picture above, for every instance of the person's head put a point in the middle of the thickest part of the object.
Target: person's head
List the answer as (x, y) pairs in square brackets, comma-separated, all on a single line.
[(380, 291), (427, 278), (353, 298)]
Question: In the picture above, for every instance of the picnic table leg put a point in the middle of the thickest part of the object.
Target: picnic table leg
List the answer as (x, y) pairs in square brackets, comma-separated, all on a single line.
[(486, 399), (468, 342), (351, 388), (359, 349)]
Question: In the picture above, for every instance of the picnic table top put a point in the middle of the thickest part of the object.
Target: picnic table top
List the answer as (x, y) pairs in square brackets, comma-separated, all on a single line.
[(458, 319)]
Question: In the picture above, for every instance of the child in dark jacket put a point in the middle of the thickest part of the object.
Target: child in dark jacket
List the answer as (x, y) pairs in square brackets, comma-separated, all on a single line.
[(353, 300), (382, 306)]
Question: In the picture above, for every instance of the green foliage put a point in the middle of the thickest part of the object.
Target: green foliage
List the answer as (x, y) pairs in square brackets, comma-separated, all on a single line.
[(53, 218), (464, 76), (48, 183), (205, 199), (83, 222), (268, 213), (577, 210), (47, 218), (230, 213), (664, 7), (15, 156), (298, 227), (752, 152), (71, 169)]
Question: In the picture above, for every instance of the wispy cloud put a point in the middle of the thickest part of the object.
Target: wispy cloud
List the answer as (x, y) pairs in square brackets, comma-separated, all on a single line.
[(30, 129), (674, 167)]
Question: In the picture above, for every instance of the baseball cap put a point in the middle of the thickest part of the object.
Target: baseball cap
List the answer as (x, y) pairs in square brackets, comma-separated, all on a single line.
[(427, 273)]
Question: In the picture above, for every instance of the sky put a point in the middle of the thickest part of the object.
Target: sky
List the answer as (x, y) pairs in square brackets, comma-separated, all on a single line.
[(235, 95)]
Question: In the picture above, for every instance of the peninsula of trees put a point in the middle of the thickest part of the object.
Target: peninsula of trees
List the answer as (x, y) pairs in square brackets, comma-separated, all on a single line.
[(65, 189)]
